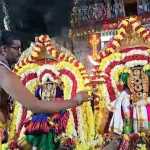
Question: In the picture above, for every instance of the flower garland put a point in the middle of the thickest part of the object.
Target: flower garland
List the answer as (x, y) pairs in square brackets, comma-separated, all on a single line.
[(80, 111), (70, 129), (108, 60), (16, 116), (116, 59), (130, 56), (146, 69), (90, 122), (72, 73), (81, 134), (12, 126), (128, 61), (115, 44)]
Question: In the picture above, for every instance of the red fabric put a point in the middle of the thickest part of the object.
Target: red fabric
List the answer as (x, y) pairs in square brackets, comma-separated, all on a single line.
[(148, 112)]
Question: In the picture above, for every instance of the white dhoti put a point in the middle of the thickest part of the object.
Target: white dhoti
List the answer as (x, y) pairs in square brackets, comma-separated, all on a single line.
[(121, 103), (140, 116)]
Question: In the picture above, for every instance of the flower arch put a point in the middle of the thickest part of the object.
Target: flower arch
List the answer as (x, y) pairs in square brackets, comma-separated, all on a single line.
[(43, 55), (129, 48)]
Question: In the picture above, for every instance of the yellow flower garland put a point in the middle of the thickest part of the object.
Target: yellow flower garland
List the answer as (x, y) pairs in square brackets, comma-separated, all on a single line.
[(87, 114), (107, 60), (31, 86), (70, 63), (18, 107)]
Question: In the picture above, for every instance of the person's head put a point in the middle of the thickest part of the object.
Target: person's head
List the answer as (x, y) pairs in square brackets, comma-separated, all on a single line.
[(10, 46)]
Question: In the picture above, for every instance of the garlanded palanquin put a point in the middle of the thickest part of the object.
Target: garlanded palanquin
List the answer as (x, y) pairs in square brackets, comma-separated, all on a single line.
[(125, 59), (44, 57)]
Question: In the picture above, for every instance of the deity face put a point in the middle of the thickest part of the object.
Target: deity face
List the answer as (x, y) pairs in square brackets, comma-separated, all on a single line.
[(136, 72), (48, 91)]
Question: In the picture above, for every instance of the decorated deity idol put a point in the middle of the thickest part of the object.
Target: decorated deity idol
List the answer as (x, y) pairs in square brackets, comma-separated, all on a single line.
[(139, 86), (44, 129)]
